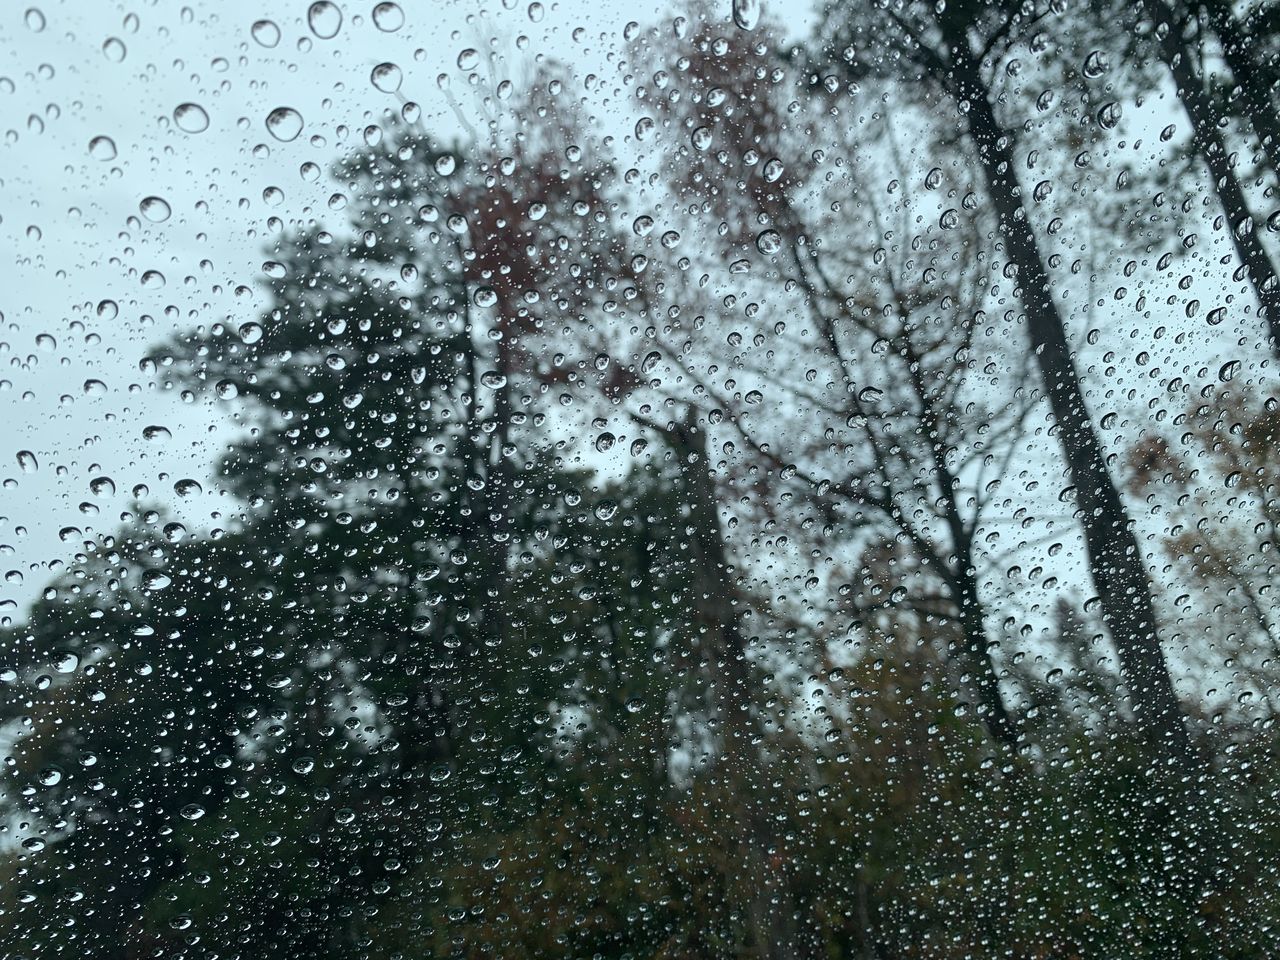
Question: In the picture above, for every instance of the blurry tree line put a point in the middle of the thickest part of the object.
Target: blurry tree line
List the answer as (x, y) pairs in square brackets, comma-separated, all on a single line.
[(627, 541)]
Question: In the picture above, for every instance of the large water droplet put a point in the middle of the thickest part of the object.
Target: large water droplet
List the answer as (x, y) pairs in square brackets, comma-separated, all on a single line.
[(769, 241), (190, 118), (746, 13), (27, 461), (102, 148), (386, 77), (266, 33), (114, 49), (155, 209), (388, 17), (284, 123), (324, 19)]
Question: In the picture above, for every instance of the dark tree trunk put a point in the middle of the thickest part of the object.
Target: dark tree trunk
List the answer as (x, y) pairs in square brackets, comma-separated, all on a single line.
[(1115, 561), (1177, 56), (1254, 78), (716, 620)]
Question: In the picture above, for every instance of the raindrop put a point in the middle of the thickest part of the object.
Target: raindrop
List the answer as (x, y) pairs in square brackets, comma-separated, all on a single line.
[(769, 241), (102, 486), (190, 118), (64, 661), (485, 297), (188, 488), (493, 379), (94, 388), (156, 580), (27, 461), (644, 128), (773, 170), (35, 20), (155, 209), (468, 59), (266, 33), (192, 811), (1095, 65), (950, 219), (324, 19), (386, 77), (250, 332), (284, 123), (114, 49), (388, 17), (156, 434), (102, 148), (746, 13), (226, 390)]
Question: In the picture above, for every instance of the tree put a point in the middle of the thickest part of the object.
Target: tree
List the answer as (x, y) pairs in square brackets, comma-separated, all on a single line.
[(938, 48)]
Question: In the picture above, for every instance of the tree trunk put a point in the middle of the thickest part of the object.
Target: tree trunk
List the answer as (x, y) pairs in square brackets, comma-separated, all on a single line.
[(1177, 56), (717, 622), (1114, 559), (1255, 79)]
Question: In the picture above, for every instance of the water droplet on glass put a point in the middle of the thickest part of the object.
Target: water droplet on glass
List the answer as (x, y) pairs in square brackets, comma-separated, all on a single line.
[(266, 33), (949, 220), (192, 811), (27, 461), (250, 332), (102, 486), (114, 49), (284, 123), (155, 209), (35, 20), (1095, 65), (468, 59), (102, 148), (156, 434), (388, 17), (64, 661), (94, 388), (156, 580), (188, 488), (324, 19), (746, 13), (773, 170), (386, 77), (769, 241), (644, 128), (190, 118)]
